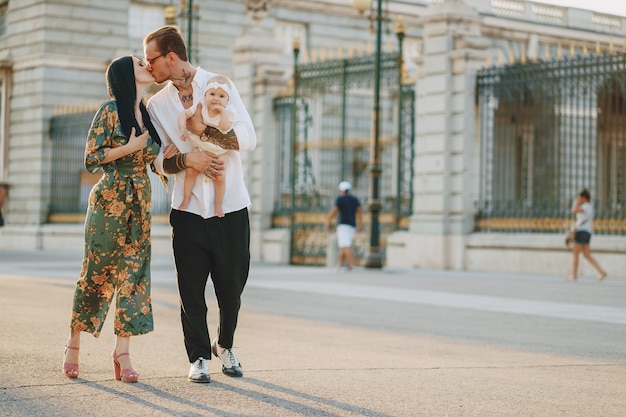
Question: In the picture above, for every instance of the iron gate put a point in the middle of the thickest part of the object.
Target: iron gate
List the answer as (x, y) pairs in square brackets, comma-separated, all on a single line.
[(548, 129), (324, 134), (70, 182)]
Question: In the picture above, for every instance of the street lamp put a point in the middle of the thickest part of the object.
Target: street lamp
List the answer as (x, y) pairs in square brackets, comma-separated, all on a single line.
[(400, 29), (170, 15), (374, 258), (294, 143), (190, 14)]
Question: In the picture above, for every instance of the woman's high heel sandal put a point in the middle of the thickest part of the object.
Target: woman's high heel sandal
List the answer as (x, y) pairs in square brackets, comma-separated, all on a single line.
[(124, 375), (70, 370)]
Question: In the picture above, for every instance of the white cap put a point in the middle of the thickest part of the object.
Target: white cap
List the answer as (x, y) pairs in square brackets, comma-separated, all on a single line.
[(344, 186)]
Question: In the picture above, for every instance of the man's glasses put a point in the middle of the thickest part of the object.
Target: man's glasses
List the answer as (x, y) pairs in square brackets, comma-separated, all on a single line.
[(148, 62)]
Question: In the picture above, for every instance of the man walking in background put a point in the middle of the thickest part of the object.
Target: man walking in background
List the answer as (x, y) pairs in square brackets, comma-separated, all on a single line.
[(350, 221)]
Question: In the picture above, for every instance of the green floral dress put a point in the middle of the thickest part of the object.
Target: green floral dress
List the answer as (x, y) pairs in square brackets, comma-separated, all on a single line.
[(117, 234)]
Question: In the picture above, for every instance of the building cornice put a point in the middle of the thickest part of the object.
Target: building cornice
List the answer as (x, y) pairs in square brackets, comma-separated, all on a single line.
[(58, 61)]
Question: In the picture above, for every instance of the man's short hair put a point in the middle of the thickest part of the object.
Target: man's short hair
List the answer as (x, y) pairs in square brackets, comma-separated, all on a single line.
[(168, 39)]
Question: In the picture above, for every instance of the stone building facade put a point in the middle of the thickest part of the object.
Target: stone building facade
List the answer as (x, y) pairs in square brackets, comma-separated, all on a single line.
[(53, 54)]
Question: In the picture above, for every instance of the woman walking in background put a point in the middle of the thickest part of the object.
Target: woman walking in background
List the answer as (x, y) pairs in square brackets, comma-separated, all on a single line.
[(121, 143), (583, 228)]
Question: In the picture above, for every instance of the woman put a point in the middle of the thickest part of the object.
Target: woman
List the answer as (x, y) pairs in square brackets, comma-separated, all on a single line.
[(583, 227), (121, 143)]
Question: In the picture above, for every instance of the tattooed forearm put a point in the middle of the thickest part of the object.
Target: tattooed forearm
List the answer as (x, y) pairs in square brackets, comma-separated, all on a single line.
[(226, 140)]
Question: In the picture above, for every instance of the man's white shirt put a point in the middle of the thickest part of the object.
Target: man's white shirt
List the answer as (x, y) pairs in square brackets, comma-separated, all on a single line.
[(164, 108)]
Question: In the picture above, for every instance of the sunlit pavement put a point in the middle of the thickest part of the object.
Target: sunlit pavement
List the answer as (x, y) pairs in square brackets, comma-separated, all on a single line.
[(316, 342)]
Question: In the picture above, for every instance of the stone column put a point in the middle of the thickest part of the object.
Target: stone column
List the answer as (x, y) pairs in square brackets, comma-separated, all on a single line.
[(259, 71), (444, 179)]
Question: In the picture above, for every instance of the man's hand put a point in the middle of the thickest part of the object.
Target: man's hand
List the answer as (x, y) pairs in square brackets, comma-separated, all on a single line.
[(204, 161)]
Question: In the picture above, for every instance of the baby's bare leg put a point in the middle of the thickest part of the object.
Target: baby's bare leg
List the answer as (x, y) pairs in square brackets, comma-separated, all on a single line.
[(190, 180), (220, 189)]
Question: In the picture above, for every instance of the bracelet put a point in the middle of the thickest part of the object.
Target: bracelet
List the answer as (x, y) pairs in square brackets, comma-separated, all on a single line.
[(181, 161)]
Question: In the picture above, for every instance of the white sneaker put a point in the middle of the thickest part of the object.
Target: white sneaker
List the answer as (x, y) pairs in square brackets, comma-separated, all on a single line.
[(230, 363), (199, 371)]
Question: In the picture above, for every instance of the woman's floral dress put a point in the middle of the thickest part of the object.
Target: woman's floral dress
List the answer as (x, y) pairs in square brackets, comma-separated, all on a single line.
[(117, 234)]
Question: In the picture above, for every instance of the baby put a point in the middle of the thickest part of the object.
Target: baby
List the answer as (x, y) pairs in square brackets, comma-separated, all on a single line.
[(214, 113)]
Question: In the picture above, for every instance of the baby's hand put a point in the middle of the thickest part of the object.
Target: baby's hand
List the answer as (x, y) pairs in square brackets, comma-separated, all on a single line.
[(184, 135), (217, 107)]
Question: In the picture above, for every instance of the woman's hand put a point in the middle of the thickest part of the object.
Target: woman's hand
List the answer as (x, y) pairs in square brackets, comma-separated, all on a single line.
[(170, 151), (137, 143)]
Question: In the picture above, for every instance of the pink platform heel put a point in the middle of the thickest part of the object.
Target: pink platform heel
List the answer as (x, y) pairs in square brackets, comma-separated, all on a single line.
[(124, 375), (70, 370)]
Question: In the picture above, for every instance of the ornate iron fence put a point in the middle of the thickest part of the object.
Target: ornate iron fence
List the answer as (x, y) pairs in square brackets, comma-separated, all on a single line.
[(330, 142), (70, 182), (547, 130)]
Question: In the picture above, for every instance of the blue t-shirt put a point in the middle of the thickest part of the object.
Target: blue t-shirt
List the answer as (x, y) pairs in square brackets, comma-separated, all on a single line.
[(347, 204)]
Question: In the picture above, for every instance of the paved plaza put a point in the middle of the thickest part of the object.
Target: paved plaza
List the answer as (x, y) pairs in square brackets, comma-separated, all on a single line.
[(320, 342)]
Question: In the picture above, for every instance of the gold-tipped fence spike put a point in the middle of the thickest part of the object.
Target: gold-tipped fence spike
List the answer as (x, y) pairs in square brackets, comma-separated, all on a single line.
[(359, 49), (611, 48), (313, 56), (350, 51), (388, 46), (339, 52), (546, 53), (585, 52), (331, 54), (559, 51), (370, 48), (500, 59), (64, 109), (572, 52), (511, 57), (598, 50), (523, 58), (624, 45), (489, 62), (322, 55), (305, 57)]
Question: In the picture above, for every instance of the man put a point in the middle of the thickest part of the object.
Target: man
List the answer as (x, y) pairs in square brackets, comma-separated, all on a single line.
[(350, 220), (203, 243)]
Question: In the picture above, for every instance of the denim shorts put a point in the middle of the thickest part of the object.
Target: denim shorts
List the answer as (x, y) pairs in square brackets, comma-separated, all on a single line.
[(582, 237)]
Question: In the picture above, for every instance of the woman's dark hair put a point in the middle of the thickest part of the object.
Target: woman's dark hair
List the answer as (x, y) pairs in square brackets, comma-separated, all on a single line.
[(585, 194), (120, 76)]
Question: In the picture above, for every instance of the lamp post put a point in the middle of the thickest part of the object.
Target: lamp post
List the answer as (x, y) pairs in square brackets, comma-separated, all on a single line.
[(374, 258), (188, 11), (294, 143), (400, 29), (189, 27)]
